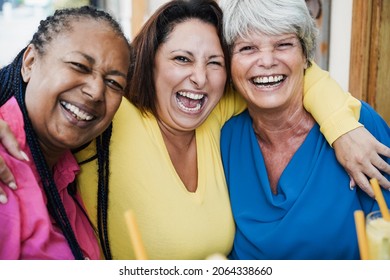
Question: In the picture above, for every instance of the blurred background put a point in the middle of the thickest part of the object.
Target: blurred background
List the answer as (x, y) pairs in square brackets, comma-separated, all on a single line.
[(354, 37), (20, 18)]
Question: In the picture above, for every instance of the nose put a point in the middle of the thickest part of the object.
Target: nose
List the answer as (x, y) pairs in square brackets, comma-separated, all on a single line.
[(94, 87), (266, 58), (198, 75)]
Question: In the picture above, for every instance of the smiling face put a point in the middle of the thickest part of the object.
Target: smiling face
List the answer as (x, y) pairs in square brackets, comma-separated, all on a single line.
[(189, 75), (76, 86), (268, 71)]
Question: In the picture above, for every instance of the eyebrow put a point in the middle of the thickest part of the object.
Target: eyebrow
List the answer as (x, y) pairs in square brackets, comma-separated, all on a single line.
[(91, 60), (117, 73), (288, 38), (191, 54)]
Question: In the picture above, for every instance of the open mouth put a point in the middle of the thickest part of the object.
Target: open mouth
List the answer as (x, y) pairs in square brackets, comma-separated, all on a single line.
[(77, 113), (189, 101), (269, 81)]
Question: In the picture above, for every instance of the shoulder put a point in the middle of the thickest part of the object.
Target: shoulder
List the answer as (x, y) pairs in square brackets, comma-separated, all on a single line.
[(374, 123), (236, 121), (129, 115), (236, 128), (368, 116)]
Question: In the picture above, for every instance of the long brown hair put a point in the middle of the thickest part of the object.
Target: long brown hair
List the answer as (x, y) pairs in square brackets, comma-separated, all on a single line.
[(155, 32)]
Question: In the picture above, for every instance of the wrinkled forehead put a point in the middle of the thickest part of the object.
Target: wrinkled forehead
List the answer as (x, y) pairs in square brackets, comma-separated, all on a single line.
[(76, 25), (89, 37), (258, 28)]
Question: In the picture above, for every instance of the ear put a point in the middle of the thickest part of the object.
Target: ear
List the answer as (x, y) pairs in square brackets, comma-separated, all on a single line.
[(29, 59), (306, 64)]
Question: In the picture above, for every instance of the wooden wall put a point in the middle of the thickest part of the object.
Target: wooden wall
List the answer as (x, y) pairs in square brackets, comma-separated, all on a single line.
[(140, 9), (370, 54)]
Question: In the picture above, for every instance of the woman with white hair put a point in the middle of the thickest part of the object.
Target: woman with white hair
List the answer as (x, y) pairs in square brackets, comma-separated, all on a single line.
[(285, 184)]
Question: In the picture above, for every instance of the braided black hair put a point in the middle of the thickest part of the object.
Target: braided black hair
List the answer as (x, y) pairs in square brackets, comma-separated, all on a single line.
[(12, 84), (10, 78)]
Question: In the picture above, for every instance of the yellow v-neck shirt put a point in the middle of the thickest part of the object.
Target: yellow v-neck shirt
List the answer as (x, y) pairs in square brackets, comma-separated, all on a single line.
[(174, 223)]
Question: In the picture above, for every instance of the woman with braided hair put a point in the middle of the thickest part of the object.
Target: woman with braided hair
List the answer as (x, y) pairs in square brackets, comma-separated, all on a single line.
[(62, 91)]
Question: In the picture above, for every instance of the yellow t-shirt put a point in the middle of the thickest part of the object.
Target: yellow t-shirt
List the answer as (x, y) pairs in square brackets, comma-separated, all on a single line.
[(174, 223), (337, 112)]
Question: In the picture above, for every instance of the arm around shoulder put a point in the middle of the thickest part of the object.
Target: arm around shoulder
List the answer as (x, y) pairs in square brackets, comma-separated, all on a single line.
[(336, 111)]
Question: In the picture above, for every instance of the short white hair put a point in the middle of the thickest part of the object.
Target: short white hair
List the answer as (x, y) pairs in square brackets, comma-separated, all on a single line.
[(270, 17)]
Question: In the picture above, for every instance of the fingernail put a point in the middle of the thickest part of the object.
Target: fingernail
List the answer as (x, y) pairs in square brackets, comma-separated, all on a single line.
[(12, 185), (3, 199), (24, 156), (351, 186)]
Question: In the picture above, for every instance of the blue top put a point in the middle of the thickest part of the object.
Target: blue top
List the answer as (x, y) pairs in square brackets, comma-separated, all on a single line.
[(311, 217)]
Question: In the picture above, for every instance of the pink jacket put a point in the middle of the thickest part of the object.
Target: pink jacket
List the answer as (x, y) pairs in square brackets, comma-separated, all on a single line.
[(26, 229)]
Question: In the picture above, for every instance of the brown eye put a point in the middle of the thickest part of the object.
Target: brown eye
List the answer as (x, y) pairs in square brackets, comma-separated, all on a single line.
[(80, 67), (216, 63), (182, 59), (246, 48), (114, 85), (284, 45)]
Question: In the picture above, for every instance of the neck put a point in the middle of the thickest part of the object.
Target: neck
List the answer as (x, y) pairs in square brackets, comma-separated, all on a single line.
[(176, 138), (181, 147), (277, 128), (51, 155), (279, 136)]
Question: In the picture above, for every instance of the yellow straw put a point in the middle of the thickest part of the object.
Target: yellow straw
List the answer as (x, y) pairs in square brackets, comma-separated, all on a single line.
[(361, 234), (136, 240), (379, 198)]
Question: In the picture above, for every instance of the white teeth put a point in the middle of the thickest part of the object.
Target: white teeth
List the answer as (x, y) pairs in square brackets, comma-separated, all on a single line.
[(191, 95), (270, 79), (77, 112), (196, 108)]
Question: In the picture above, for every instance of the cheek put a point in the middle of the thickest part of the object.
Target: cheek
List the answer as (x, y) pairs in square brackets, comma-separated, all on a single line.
[(38, 102), (238, 71), (162, 96), (239, 61), (218, 80), (295, 61), (235, 68), (165, 80), (238, 81), (113, 106), (298, 71)]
